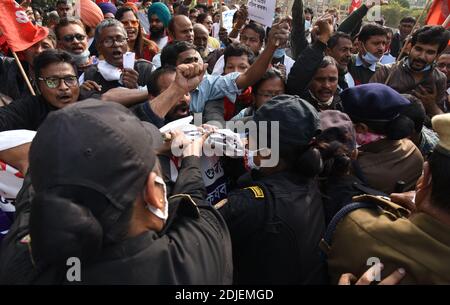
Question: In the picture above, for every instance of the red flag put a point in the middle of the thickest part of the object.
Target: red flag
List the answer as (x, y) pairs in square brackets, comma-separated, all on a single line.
[(19, 32), (354, 5), (438, 12)]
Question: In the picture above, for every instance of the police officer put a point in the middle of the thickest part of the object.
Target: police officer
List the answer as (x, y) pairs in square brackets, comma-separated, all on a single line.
[(276, 219)]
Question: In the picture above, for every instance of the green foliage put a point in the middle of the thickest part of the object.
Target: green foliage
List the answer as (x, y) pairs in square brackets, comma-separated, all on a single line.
[(403, 3)]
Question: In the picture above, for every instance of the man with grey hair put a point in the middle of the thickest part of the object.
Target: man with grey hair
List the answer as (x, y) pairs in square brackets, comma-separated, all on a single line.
[(109, 79)]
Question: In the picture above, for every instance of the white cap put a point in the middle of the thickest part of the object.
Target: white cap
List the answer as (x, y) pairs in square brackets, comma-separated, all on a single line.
[(14, 138)]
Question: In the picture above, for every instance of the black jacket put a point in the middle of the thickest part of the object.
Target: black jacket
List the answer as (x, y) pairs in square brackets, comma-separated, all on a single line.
[(193, 248), (26, 113), (12, 82), (276, 224), (303, 72), (143, 67)]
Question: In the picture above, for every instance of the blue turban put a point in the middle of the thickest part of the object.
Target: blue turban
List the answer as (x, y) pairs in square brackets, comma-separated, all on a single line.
[(162, 11), (107, 7)]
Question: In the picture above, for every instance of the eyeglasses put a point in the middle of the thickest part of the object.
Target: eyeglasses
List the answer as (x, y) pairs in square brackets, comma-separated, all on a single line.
[(269, 95), (54, 82), (132, 23), (70, 38), (109, 42)]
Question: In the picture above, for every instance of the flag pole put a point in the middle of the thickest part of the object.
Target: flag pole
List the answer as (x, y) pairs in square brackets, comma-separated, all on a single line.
[(446, 22), (407, 41), (25, 76), (221, 16)]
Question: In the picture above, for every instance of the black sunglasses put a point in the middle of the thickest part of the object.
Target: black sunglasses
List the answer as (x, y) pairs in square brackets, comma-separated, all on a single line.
[(70, 38)]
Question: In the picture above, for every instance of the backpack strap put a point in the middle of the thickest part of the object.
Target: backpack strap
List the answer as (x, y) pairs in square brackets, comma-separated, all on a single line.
[(325, 243)]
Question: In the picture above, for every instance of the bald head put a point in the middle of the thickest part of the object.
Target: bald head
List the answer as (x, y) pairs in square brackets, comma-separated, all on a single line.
[(180, 29), (201, 39)]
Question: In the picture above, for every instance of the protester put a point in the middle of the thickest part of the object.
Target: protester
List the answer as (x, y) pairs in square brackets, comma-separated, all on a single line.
[(111, 42), (372, 44), (91, 16), (57, 82), (405, 28), (252, 36), (72, 38), (12, 82), (416, 74), (315, 77), (206, 20), (137, 43), (64, 8), (109, 10), (159, 18)]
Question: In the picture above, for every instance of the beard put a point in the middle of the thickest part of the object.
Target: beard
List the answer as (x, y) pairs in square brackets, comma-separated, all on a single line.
[(156, 33)]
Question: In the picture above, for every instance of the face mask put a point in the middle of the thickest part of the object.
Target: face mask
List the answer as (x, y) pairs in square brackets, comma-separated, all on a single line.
[(307, 25), (81, 59), (366, 138), (370, 58), (279, 53), (426, 68), (158, 212)]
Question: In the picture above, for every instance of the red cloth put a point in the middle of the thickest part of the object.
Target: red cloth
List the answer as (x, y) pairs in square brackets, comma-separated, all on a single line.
[(18, 31), (230, 108), (354, 5), (438, 12)]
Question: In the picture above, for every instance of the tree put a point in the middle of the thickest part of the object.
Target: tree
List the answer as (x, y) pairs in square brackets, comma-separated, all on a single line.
[(403, 3)]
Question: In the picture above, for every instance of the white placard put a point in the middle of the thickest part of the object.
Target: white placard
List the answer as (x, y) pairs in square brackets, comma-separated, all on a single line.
[(262, 11), (227, 18)]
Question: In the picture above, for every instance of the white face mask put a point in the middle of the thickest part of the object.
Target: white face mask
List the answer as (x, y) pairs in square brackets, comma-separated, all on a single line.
[(158, 212)]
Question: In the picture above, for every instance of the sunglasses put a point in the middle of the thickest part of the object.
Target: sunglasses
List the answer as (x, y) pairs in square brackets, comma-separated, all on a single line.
[(132, 23), (78, 37), (54, 82)]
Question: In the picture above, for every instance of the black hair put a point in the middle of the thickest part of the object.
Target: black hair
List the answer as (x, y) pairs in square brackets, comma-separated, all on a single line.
[(152, 85), (439, 162), (431, 34), (51, 56), (370, 30), (202, 17), (258, 29), (332, 144), (63, 22), (408, 19), (202, 6), (389, 30), (238, 49), (193, 10), (334, 39), (169, 54), (327, 61), (63, 2), (270, 74), (309, 10), (139, 44)]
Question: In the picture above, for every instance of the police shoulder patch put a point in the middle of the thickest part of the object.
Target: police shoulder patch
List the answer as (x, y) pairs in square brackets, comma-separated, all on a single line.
[(256, 190)]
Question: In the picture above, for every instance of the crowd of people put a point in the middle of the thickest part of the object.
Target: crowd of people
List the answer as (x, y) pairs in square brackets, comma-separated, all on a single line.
[(103, 164)]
